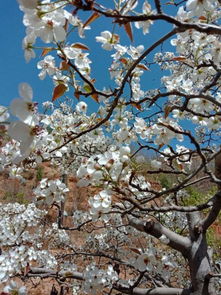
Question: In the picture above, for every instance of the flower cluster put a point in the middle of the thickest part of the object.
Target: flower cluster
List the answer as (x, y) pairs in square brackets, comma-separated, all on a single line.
[(13, 288), (50, 191), (97, 279), (15, 219), (109, 168), (100, 203), (163, 131)]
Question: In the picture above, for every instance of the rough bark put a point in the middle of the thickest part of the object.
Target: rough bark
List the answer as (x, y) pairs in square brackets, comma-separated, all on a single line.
[(198, 257), (218, 169)]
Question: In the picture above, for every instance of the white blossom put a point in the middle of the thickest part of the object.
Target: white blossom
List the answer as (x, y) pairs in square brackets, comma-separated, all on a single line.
[(12, 288), (47, 66), (108, 40), (23, 107), (81, 107)]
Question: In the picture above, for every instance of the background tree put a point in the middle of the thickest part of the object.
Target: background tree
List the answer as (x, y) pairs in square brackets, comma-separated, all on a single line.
[(136, 238)]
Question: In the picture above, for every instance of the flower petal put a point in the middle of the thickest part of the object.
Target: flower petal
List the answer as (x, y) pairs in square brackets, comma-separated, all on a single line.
[(19, 131), (25, 91)]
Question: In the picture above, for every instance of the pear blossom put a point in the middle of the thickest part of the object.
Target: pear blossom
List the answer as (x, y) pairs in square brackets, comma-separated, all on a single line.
[(75, 21), (111, 164), (81, 107), (23, 107), (216, 52), (131, 4), (15, 172), (96, 279), (72, 19), (135, 52), (70, 52), (100, 203), (24, 134), (50, 191), (47, 66), (48, 26), (12, 288), (144, 261), (183, 15), (141, 128), (81, 59), (27, 45), (198, 7), (108, 40), (120, 51), (145, 24)]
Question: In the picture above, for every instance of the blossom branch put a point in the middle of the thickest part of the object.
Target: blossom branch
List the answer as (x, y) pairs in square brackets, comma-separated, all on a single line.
[(120, 91), (182, 26), (213, 82), (122, 287)]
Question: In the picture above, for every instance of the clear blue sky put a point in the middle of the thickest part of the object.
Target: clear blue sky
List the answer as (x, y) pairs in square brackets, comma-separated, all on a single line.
[(15, 70)]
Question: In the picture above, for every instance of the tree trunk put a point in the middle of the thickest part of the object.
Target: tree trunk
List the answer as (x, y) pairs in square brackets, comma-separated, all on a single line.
[(199, 262)]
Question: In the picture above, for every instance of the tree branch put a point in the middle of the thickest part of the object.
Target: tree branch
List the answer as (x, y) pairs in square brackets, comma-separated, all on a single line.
[(158, 6), (156, 229), (45, 273), (214, 212), (182, 26), (126, 289), (153, 291)]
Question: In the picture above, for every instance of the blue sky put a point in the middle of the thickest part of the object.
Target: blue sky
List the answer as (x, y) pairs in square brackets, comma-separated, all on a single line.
[(15, 70)]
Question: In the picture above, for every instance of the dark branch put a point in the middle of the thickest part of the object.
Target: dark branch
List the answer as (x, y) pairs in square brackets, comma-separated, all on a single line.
[(182, 26), (214, 212), (158, 6)]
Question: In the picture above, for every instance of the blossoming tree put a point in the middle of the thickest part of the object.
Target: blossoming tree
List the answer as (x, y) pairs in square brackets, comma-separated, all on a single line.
[(135, 238)]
